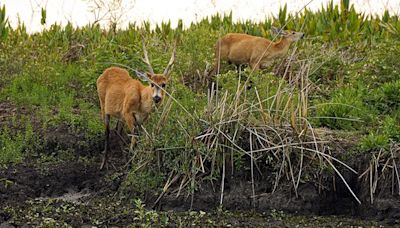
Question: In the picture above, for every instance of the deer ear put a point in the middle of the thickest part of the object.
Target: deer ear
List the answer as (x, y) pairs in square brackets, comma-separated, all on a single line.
[(278, 31), (275, 30), (143, 76), (149, 75)]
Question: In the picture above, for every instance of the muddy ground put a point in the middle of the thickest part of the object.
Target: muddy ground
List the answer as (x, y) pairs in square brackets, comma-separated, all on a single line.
[(76, 193), (62, 186)]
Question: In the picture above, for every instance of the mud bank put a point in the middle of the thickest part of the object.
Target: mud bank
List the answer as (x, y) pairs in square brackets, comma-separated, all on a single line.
[(77, 193)]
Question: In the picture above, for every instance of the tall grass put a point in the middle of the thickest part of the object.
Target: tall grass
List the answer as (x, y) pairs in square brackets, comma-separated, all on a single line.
[(4, 26), (241, 128), (382, 172)]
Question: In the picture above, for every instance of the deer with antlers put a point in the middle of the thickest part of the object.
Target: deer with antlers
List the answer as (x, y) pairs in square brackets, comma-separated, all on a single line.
[(128, 99)]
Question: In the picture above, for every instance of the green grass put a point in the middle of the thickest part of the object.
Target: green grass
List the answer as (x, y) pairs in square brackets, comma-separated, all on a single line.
[(14, 147), (345, 110)]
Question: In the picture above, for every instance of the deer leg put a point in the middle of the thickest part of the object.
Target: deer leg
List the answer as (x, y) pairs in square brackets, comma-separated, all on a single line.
[(133, 140), (250, 82), (107, 140), (130, 121), (212, 71), (238, 68), (118, 128)]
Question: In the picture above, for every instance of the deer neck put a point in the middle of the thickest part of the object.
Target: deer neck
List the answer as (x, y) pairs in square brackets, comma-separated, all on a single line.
[(282, 46), (146, 99)]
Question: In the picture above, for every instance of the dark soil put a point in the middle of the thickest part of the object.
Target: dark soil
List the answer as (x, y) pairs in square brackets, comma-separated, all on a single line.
[(28, 190), (25, 181), (309, 201)]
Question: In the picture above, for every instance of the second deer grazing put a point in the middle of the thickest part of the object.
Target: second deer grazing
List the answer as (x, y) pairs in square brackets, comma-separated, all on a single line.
[(256, 51), (128, 99)]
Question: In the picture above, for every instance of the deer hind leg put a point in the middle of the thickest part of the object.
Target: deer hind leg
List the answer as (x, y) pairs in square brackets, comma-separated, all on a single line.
[(102, 102), (107, 140), (102, 112), (130, 121), (119, 127)]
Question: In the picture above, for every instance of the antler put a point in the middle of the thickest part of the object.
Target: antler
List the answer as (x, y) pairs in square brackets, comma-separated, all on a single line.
[(146, 58), (171, 61)]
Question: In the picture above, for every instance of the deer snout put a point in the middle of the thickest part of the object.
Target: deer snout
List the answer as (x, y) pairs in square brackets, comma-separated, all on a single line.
[(157, 99), (157, 95)]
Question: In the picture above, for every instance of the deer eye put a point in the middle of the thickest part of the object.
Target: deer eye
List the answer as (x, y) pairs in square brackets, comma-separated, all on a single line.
[(152, 85), (292, 32), (163, 85)]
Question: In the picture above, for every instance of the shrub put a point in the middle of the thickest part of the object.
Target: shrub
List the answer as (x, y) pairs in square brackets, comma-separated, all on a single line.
[(391, 128), (374, 141), (390, 96), (345, 110), (386, 98)]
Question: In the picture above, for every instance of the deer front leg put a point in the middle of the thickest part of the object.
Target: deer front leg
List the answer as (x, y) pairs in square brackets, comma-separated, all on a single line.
[(238, 68)]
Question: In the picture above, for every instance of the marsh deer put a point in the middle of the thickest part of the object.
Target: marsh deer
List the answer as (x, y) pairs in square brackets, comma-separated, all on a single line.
[(256, 51), (128, 99)]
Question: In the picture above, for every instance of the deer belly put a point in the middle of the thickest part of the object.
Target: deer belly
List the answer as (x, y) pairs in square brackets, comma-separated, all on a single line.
[(238, 56)]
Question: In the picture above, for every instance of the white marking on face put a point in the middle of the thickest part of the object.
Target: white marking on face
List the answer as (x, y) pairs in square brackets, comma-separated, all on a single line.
[(157, 92)]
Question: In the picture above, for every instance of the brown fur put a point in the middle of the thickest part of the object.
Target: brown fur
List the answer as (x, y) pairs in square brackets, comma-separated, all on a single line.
[(256, 51), (121, 96), (126, 99)]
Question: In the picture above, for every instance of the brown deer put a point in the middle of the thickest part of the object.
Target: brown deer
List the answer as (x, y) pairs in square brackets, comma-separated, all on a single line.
[(128, 99), (256, 51)]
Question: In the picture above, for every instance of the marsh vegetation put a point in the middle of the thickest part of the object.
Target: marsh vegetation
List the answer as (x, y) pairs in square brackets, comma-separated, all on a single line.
[(319, 127)]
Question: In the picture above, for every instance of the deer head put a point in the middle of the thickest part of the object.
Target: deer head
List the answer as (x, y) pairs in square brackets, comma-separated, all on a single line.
[(157, 81), (288, 34)]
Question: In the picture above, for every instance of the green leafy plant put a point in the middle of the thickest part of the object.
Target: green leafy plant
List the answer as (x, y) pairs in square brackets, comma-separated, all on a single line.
[(345, 110), (374, 141), (148, 218), (14, 147)]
